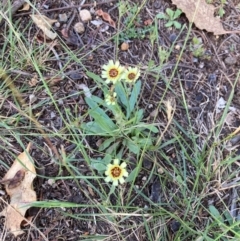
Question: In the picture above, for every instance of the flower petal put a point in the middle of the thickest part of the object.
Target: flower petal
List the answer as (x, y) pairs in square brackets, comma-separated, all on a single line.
[(124, 173), (115, 182), (116, 161), (108, 179), (123, 165), (121, 180)]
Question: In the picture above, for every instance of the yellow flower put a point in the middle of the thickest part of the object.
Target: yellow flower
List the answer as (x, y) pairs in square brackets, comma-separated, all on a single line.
[(131, 74), (112, 72), (111, 99), (116, 172)]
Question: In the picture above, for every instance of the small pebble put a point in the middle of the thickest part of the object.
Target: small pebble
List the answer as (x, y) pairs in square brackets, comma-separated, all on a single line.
[(195, 60), (201, 65), (32, 98), (175, 225), (124, 46), (157, 4), (85, 15), (51, 182), (199, 97), (177, 47), (172, 37), (79, 27), (57, 24), (75, 76), (2, 192), (63, 17), (52, 115), (144, 178), (230, 60)]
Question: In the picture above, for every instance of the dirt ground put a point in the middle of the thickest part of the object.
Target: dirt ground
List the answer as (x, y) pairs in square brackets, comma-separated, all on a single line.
[(202, 80)]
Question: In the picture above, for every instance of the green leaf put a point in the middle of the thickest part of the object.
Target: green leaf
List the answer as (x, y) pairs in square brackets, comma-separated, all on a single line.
[(215, 213), (221, 12), (134, 95), (177, 13), (177, 25), (95, 77), (123, 96), (139, 115), (170, 13), (106, 143), (150, 127), (132, 175), (113, 148), (133, 147), (169, 24), (92, 127), (107, 159), (105, 123), (100, 116), (98, 165), (161, 16), (143, 142)]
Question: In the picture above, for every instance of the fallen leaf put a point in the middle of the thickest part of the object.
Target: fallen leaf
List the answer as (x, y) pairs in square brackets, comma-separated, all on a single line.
[(148, 22), (26, 7), (44, 23), (70, 37), (15, 181), (106, 17), (18, 184), (202, 14)]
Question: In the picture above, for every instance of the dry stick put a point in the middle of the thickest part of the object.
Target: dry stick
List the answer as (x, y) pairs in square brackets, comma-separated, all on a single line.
[(9, 83), (68, 7)]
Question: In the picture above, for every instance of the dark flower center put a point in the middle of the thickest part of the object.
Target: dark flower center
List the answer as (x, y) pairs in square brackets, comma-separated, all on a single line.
[(113, 73), (116, 171), (131, 76)]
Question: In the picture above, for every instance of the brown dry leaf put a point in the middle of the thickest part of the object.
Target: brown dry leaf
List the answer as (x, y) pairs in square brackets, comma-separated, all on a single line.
[(18, 184), (202, 14), (44, 23), (26, 7), (106, 17)]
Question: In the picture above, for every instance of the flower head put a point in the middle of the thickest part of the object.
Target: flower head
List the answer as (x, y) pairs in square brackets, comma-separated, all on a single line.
[(131, 74), (112, 72), (116, 172), (111, 99)]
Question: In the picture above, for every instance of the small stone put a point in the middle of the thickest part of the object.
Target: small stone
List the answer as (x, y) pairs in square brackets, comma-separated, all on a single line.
[(195, 60), (79, 27), (32, 98), (51, 182), (124, 46), (175, 225), (144, 178), (85, 15), (230, 60), (177, 47), (57, 24), (172, 37), (63, 17), (201, 65)]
